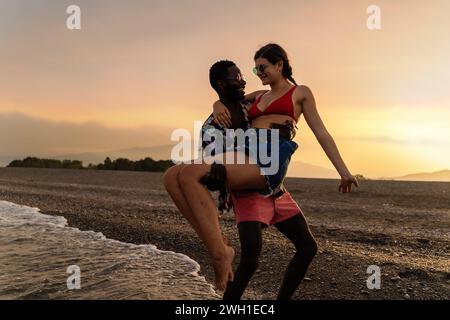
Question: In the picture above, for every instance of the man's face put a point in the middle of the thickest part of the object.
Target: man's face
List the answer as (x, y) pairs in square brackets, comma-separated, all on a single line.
[(234, 84)]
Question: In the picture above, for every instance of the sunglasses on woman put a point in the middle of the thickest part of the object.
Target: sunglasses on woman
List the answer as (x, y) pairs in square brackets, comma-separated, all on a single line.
[(259, 69)]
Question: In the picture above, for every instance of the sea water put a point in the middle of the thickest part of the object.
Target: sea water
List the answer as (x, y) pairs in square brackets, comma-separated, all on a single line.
[(42, 258)]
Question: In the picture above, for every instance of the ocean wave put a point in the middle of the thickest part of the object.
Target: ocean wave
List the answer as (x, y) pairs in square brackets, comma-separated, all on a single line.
[(41, 256)]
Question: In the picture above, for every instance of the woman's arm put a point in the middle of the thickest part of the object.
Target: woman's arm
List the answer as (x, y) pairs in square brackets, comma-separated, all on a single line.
[(314, 121), (251, 97), (221, 113)]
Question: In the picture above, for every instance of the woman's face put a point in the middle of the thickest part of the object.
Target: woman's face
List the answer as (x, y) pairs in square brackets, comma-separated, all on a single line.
[(267, 72)]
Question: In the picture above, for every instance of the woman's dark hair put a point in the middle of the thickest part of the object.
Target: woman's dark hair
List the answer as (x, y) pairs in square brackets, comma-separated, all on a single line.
[(218, 72), (275, 53)]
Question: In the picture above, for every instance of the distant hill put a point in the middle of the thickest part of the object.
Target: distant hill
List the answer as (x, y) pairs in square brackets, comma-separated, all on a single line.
[(296, 168), (300, 169), (5, 160), (156, 153), (443, 175)]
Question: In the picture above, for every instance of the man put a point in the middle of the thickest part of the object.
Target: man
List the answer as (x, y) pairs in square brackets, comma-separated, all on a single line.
[(253, 211)]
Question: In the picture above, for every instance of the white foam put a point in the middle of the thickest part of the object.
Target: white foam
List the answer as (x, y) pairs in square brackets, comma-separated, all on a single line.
[(36, 249)]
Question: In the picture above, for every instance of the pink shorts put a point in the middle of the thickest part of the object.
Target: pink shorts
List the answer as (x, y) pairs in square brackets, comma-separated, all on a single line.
[(268, 210)]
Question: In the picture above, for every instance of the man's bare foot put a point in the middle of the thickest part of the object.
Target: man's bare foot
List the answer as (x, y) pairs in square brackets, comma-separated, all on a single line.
[(223, 269)]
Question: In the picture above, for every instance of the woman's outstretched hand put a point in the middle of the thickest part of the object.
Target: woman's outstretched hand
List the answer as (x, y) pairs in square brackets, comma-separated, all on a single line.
[(346, 183), (221, 115)]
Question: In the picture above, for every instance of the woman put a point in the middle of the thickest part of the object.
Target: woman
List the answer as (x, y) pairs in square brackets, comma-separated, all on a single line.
[(277, 108)]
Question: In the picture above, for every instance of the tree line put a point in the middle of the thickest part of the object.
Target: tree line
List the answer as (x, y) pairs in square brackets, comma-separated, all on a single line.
[(147, 164)]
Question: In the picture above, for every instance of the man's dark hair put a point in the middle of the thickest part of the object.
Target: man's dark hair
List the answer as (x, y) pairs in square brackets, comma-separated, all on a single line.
[(218, 72)]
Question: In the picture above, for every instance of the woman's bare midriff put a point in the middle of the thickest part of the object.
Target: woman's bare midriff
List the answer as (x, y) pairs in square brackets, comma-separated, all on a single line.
[(265, 122)]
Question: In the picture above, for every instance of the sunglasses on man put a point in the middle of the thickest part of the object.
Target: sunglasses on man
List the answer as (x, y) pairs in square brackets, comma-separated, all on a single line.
[(237, 77)]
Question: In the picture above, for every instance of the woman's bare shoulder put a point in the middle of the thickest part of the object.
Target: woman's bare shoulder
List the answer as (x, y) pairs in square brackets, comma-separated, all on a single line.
[(303, 92), (303, 89)]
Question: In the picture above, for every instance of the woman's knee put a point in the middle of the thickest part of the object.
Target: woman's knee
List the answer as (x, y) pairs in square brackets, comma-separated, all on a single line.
[(170, 177), (191, 174)]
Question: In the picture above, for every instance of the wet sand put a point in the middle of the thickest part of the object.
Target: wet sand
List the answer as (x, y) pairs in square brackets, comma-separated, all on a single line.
[(402, 227)]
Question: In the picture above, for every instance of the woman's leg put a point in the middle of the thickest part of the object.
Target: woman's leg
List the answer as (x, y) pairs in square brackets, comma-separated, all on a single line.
[(250, 236), (239, 177), (296, 229), (172, 185)]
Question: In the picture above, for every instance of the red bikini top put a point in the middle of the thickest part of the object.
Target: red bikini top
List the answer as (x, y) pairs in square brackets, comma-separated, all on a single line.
[(283, 105)]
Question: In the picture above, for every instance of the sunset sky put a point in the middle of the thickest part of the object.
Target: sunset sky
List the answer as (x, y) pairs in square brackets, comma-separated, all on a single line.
[(139, 69)]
